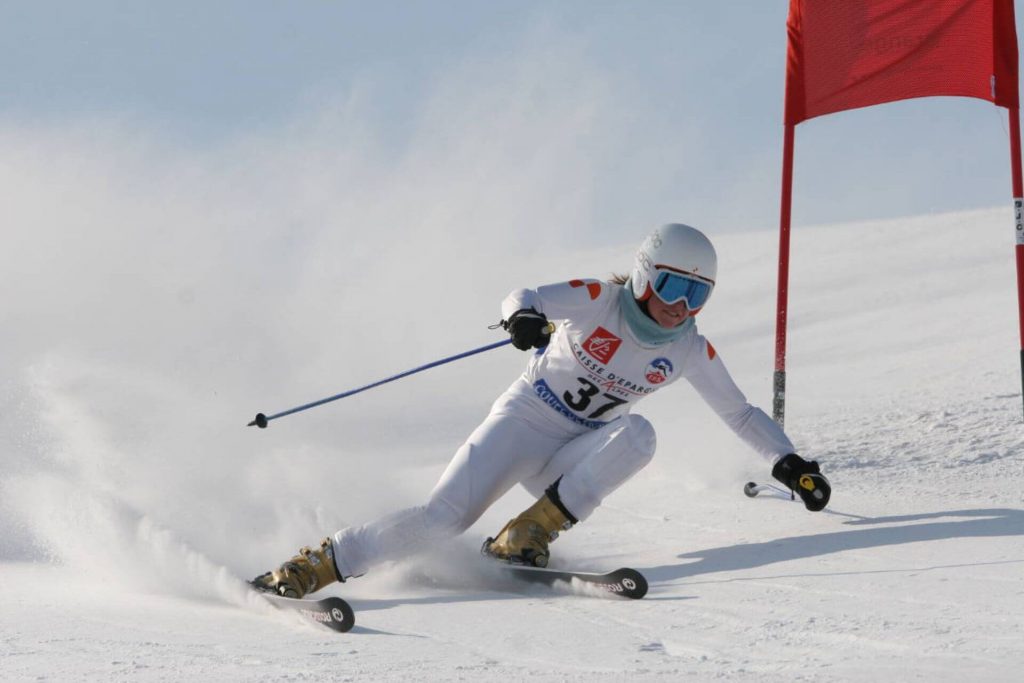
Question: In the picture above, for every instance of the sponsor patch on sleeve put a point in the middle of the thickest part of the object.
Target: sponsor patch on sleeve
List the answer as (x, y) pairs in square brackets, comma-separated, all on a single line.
[(593, 287)]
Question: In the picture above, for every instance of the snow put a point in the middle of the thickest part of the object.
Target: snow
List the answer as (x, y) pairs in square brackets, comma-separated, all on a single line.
[(133, 501)]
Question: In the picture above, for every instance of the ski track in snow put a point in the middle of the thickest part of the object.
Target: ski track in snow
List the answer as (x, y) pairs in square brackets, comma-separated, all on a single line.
[(914, 573)]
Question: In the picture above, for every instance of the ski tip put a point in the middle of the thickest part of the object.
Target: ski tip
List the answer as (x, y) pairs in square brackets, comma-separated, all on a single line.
[(334, 613), (634, 582), (343, 616)]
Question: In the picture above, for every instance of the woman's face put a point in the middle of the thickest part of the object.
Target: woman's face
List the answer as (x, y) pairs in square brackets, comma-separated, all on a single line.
[(667, 315)]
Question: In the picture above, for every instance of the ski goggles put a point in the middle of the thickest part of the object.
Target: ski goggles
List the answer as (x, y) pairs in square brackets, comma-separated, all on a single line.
[(673, 287)]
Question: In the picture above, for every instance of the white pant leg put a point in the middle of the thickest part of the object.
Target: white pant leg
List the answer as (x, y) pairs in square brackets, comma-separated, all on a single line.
[(596, 463), (501, 452)]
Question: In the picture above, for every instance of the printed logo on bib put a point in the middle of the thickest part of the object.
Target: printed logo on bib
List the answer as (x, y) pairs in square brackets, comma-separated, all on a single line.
[(602, 344), (658, 370)]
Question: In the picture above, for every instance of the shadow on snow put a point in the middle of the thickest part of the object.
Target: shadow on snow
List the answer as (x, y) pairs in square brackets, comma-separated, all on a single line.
[(911, 529)]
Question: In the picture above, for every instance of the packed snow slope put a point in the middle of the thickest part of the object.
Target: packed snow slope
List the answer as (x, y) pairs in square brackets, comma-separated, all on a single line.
[(133, 500)]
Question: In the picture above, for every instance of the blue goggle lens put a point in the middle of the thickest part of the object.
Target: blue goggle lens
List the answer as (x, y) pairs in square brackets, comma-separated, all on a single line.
[(673, 288)]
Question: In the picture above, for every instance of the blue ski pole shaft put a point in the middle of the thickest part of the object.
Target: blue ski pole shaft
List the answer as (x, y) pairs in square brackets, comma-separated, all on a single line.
[(262, 420)]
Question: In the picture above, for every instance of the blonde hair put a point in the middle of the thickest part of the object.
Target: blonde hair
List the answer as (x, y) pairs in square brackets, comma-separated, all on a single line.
[(619, 279)]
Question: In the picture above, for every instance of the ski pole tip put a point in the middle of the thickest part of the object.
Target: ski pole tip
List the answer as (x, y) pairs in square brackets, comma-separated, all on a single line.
[(260, 421)]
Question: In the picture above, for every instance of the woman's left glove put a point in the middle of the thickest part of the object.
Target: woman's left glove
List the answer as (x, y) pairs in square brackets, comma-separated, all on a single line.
[(528, 329), (806, 479)]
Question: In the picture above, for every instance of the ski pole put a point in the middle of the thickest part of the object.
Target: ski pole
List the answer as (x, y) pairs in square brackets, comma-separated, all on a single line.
[(262, 420), (751, 489)]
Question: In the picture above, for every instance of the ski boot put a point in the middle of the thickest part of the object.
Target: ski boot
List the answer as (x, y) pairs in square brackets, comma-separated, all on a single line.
[(310, 570), (525, 539), (805, 479)]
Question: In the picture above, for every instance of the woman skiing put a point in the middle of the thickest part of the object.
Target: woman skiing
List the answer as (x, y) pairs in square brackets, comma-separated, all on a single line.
[(564, 429)]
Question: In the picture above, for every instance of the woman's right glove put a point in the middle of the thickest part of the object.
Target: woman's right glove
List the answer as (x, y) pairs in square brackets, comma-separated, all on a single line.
[(528, 329), (806, 479)]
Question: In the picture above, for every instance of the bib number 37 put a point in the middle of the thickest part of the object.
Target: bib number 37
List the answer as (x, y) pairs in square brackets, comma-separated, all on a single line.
[(586, 394)]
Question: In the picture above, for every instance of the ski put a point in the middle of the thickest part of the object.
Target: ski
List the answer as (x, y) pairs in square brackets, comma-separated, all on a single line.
[(624, 582), (334, 613)]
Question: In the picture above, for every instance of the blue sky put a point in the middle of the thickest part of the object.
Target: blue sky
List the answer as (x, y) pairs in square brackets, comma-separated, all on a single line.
[(688, 97)]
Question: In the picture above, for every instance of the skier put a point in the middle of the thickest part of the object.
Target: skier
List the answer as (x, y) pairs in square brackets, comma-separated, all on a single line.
[(564, 429)]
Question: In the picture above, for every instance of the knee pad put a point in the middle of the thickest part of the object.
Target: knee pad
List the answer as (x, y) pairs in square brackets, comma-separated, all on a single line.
[(626, 452), (641, 436)]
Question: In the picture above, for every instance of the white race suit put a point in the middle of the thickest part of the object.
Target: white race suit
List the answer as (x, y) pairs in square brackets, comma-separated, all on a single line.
[(567, 416)]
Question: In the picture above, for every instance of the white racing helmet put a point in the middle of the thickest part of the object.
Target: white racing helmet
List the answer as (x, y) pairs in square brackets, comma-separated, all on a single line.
[(675, 263)]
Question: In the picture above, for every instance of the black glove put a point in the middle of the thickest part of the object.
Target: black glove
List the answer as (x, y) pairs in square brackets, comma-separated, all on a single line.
[(806, 479), (528, 328)]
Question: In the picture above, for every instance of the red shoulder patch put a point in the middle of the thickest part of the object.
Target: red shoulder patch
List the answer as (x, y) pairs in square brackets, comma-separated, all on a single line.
[(711, 350), (593, 288)]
